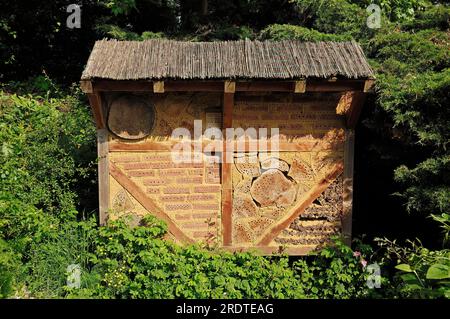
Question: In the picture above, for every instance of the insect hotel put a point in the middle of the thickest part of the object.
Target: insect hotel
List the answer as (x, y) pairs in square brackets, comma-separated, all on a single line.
[(156, 101)]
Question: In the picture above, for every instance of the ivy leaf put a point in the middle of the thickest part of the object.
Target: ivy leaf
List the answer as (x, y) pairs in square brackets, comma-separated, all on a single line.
[(404, 267), (438, 271)]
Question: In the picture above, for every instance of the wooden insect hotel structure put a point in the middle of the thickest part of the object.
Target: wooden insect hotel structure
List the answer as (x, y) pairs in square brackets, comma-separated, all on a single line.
[(289, 193)]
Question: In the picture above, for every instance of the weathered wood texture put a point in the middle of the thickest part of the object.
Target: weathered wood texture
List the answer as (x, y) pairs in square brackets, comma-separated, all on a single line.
[(146, 202), (103, 174), (348, 185), (96, 102), (158, 59), (228, 104)]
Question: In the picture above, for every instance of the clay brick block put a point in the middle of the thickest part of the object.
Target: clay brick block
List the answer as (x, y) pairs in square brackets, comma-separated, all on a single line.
[(207, 189), (208, 215), (190, 180), (302, 116), (145, 173), (248, 117), (172, 198), (176, 190), (195, 225), (182, 216), (163, 165), (272, 116), (173, 207), (156, 181), (328, 116), (172, 172), (157, 157), (200, 197), (152, 190), (297, 126), (196, 171), (189, 165), (127, 159), (206, 206), (254, 107), (212, 174), (202, 234), (131, 166)]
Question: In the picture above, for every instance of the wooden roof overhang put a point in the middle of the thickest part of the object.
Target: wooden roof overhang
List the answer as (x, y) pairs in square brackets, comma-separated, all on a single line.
[(354, 90)]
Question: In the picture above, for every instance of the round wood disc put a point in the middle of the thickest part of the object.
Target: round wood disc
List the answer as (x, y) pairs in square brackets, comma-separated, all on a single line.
[(131, 117)]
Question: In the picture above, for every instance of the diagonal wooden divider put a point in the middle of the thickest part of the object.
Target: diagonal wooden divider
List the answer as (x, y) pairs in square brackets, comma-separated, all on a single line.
[(298, 209), (148, 204)]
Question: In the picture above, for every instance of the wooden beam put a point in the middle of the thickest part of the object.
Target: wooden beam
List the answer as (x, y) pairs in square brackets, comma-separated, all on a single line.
[(369, 86), (229, 86), (338, 86), (266, 86), (147, 203), (103, 175), (86, 86), (95, 100), (356, 105), (158, 87), (167, 146), (301, 206), (346, 220), (218, 86), (227, 190), (300, 86)]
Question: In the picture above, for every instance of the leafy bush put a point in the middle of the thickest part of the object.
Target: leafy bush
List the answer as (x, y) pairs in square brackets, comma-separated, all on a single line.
[(293, 32), (138, 263), (335, 272), (422, 273), (47, 145), (9, 266)]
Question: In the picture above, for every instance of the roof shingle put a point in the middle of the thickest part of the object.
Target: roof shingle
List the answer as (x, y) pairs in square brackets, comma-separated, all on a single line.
[(168, 59)]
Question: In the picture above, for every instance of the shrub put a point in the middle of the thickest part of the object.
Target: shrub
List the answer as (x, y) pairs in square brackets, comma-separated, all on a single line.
[(293, 32), (421, 273)]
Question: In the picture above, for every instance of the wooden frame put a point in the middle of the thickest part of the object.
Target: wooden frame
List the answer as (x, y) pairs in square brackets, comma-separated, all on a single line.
[(227, 190), (357, 90), (346, 221), (299, 86), (167, 146), (103, 174), (140, 196)]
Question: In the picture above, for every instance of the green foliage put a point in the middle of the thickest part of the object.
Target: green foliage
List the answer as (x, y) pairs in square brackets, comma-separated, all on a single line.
[(335, 272), (119, 7), (434, 17), (418, 52), (9, 265), (444, 220), (401, 10), (421, 273), (44, 141), (118, 33), (339, 17), (138, 263), (293, 32)]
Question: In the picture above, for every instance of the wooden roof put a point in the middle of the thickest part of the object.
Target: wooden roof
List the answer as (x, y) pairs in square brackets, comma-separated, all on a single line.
[(168, 59)]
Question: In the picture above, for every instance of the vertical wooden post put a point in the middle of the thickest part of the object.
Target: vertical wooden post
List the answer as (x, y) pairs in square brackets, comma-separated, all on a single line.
[(348, 185), (356, 105), (96, 102), (227, 205), (103, 174)]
